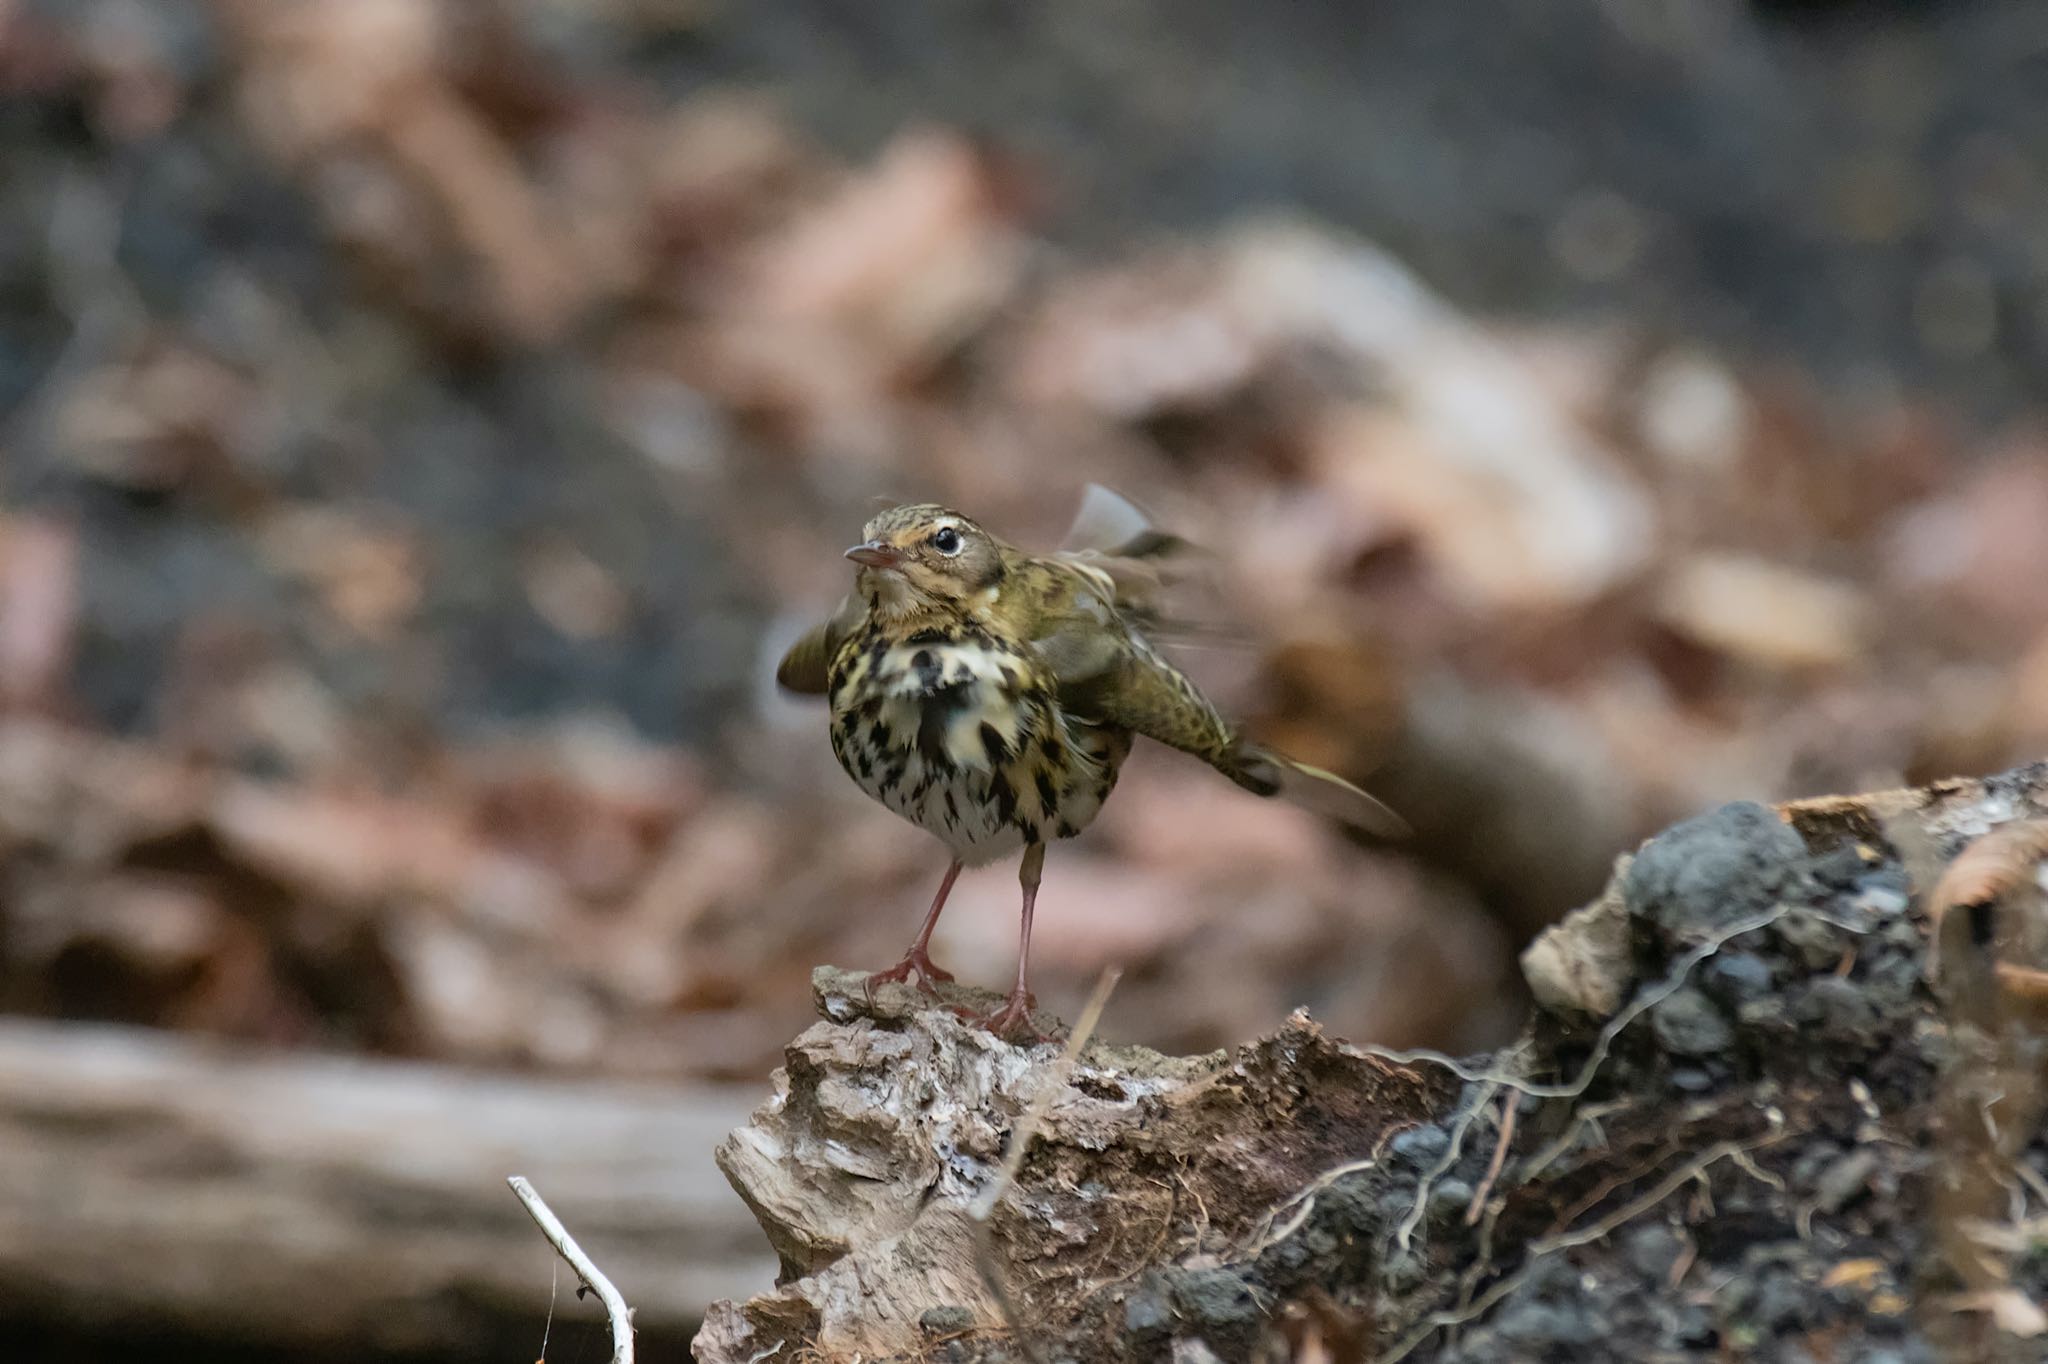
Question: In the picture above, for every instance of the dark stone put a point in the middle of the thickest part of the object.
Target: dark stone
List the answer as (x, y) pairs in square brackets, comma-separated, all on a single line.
[(1692, 1080), (1541, 1324), (1692, 1327), (1816, 942), (1216, 1297), (1841, 1008), (1402, 1271), (1652, 1249), (1845, 1181), (1449, 1199), (1840, 868), (1717, 867), (1148, 1312), (1687, 1023), (1881, 900), (946, 1321), (1762, 1015), (1420, 1146), (1736, 977), (1806, 1170), (1779, 1302)]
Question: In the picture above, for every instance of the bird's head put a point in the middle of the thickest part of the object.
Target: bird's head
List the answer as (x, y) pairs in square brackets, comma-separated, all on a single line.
[(925, 558)]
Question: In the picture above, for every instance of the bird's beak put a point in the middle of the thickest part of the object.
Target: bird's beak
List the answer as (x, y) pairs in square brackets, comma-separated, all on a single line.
[(875, 554)]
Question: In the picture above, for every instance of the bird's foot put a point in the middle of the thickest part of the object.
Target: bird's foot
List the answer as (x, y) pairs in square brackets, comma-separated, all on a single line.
[(915, 963), (1011, 1022)]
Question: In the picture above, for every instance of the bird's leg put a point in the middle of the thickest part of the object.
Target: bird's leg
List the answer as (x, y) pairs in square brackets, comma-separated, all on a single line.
[(917, 961), (1015, 1015)]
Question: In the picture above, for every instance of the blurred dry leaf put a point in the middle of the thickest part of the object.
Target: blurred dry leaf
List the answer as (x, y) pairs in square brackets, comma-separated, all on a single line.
[(1765, 614), (907, 257), (38, 608), (369, 577)]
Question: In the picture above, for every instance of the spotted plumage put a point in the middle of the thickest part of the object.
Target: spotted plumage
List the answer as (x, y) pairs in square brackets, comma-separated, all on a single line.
[(989, 696), (959, 730)]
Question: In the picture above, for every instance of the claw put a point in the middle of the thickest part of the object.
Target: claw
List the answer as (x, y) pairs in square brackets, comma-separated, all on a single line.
[(915, 963), (1012, 1022)]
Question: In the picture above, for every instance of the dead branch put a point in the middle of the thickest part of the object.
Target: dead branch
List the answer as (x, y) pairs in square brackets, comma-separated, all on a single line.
[(617, 1315)]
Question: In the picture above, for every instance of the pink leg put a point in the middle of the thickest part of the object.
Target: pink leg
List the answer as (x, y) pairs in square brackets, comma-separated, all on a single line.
[(1015, 1015), (918, 960)]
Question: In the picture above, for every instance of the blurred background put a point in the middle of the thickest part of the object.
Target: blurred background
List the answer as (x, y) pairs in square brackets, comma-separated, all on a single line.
[(424, 422)]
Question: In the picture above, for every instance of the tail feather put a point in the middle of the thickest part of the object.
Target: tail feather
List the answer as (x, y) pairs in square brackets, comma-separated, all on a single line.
[(1261, 770)]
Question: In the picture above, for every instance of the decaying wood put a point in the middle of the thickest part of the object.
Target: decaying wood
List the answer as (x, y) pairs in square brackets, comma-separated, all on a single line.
[(154, 1183), (890, 1122), (1739, 1028)]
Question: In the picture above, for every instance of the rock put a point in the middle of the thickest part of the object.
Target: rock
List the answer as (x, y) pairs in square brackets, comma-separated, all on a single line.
[(1720, 866), (1845, 1181), (1736, 977), (1653, 1249), (1581, 965), (1420, 1146), (1402, 1272), (1691, 1326), (1542, 1324), (1149, 1312), (1817, 943), (946, 1320), (1780, 1302), (1687, 1023), (1449, 1199), (1881, 901), (1841, 1008), (1215, 1297)]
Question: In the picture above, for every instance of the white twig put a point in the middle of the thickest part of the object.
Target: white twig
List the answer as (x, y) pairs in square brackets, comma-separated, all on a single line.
[(615, 1310)]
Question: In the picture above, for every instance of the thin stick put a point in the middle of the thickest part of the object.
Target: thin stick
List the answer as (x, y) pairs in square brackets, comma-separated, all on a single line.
[(615, 1310), (1013, 1161), (1021, 1136), (1508, 1108)]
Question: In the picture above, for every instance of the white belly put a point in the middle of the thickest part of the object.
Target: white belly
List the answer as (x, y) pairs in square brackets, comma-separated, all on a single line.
[(950, 746), (952, 802)]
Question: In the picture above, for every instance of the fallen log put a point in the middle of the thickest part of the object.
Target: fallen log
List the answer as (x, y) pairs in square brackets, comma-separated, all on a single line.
[(154, 1185)]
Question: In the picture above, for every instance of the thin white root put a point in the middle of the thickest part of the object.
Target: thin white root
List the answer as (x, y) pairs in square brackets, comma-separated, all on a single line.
[(615, 1310)]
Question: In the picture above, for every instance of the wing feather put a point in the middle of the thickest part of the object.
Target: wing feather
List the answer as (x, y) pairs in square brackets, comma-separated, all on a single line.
[(807, 667)]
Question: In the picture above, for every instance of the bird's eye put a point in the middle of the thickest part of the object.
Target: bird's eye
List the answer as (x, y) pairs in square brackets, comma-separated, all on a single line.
[(946, 540)]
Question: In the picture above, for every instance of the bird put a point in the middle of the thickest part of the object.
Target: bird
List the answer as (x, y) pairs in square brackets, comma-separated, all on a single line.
[(990, 696)]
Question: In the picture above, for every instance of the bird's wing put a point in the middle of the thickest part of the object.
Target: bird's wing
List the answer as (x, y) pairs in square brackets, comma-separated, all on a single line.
[(1109, 673), (1107, 670), (1106, 522), (807, 667), (1142, 563)]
